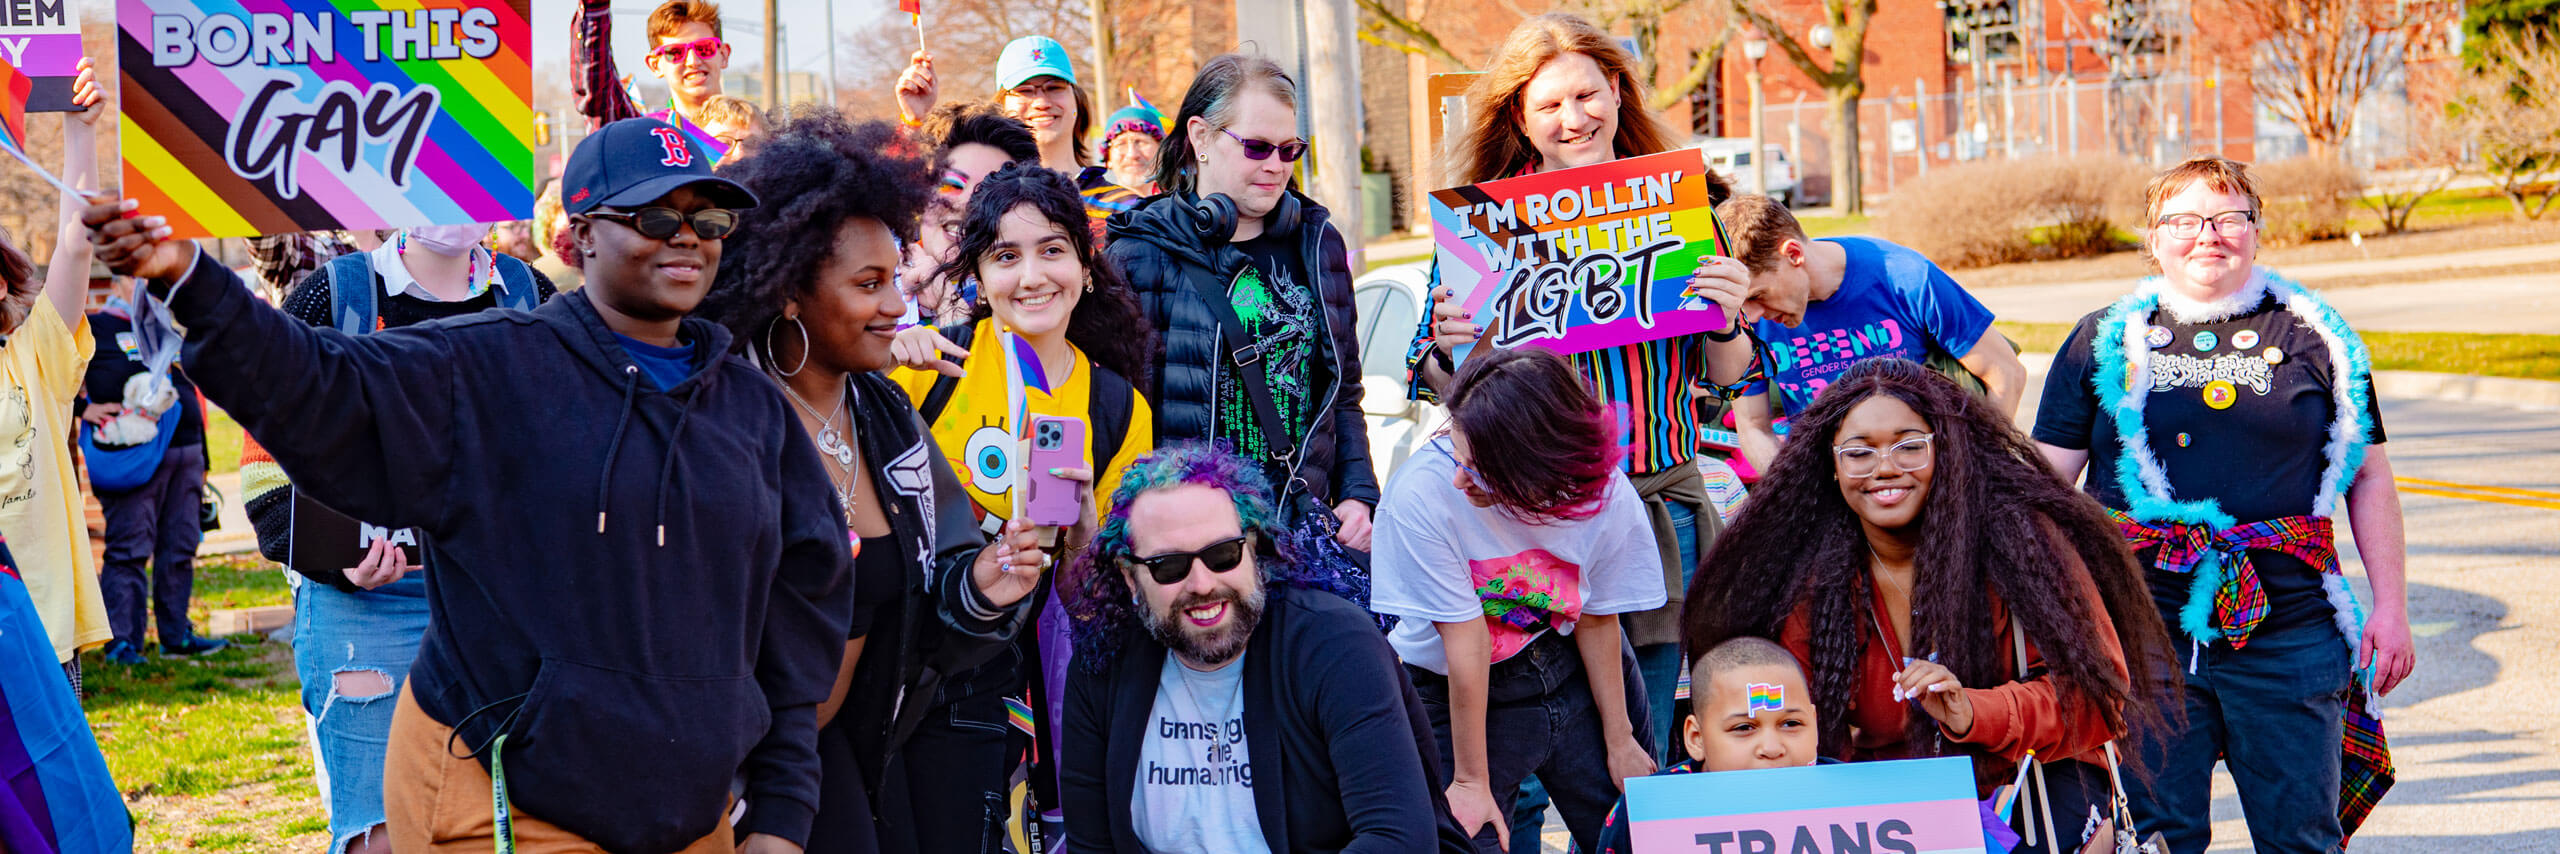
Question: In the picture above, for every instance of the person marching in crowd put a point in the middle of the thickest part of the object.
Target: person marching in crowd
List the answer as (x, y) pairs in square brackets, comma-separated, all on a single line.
[(150, 488), (1059, 334), (686, 53), (514, 238), (1227, 698), (1132, 136), (1561, 94), (1510, 551), (1036, 83), (1949, 594), (810, 294), (723, 681), (45, 342), (559, 261), (734, 122), (358, 628), (1248, 286), (2225, 416), (970, 142), (1798, 293)]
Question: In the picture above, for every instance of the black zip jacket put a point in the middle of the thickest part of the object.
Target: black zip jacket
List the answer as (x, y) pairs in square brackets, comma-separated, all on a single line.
[(1157, 246), (644, 590)]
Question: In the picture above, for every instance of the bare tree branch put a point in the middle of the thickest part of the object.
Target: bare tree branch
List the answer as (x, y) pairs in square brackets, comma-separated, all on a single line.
[(1416, 38)]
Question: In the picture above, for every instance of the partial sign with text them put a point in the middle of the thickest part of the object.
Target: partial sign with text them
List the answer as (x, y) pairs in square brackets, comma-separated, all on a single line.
[(1581, 259), (1910, 806), (295, 115)]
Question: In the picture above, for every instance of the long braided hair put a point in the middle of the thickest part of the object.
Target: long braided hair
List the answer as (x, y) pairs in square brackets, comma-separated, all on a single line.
[(1998, 524)]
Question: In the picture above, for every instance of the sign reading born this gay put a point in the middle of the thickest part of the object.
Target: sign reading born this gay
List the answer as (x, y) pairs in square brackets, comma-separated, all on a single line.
[(39, 53), (1581, 259), (1909, 806), (250, 117)]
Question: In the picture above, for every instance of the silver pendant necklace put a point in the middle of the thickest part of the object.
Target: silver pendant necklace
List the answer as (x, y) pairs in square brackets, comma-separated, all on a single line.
[(831, 443)]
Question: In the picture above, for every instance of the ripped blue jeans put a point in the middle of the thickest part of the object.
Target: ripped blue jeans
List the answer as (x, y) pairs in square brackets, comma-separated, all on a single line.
[(352, 651)]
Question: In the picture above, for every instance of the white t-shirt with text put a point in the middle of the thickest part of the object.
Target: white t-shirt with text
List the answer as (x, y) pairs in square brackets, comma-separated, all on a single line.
[(1195, 771)]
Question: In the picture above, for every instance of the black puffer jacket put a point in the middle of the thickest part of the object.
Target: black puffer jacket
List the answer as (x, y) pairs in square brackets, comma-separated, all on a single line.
[(1157, 247)]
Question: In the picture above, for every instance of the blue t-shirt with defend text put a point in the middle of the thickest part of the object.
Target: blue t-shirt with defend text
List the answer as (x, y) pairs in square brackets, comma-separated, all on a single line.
[(1892, 302)]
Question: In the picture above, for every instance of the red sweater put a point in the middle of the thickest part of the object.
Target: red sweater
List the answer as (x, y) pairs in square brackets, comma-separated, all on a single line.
[(2008, 719)]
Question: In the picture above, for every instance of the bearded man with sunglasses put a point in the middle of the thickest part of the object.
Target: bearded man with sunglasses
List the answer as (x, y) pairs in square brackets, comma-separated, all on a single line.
[(642, 580), (685, 51), (1230, 700)]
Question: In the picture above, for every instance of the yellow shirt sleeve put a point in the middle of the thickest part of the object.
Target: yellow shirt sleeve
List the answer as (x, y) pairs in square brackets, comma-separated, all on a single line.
[(1140, 440)]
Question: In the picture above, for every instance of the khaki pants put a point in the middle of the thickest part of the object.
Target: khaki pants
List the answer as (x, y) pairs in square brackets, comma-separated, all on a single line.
[(438, 802)]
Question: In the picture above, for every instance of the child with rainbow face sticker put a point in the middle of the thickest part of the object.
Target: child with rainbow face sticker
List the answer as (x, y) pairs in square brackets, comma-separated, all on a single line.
[(1752, 708)]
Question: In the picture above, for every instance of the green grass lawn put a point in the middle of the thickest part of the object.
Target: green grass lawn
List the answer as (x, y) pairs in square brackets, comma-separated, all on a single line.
[(2451, 207), (2533, 357), (222, 441), (209, 751)]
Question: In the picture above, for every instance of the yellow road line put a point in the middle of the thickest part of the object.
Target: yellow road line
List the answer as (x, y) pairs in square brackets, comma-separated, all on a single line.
[(2498, 499), (2473, 487)]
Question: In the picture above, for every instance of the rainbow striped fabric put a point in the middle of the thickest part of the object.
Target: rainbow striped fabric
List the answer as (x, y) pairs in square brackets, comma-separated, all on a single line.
[(14, 89), (55, 793), (300, 115)]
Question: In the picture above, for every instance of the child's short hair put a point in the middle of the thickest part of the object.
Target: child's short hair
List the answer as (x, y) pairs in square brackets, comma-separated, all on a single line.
[(674, 14), (727, 110), (1756, 226), (1744, 651)]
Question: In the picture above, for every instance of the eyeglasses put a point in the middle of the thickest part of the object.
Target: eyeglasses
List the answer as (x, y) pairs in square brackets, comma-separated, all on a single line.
[(660, 223), (1444, 450), (2188, 226), (1255, 149), (701, 50), (1908, 455), (1171, 568)]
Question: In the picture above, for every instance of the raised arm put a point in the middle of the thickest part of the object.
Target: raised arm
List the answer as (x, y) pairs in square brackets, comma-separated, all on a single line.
[(66, 279), (593, 74)]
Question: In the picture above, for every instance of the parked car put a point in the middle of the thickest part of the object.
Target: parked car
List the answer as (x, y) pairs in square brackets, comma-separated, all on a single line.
[(1391, 301), (1731, 157)]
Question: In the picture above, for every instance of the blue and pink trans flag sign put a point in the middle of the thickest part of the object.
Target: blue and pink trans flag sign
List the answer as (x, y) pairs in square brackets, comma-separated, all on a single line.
[(1909, 806), (1581, 259)]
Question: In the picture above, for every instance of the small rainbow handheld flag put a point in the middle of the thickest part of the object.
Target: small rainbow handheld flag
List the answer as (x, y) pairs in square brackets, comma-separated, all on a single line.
[(913, 8), (1766, 698), (1027, 365), (15, 86)]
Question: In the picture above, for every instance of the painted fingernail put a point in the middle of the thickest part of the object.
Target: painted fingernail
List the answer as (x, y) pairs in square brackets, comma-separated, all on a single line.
[(162, 232), (1057, 472), (127, 205), (154, 221)]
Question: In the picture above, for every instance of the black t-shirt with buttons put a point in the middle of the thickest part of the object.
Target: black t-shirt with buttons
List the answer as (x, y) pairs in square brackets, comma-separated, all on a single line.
[(2239, 412)]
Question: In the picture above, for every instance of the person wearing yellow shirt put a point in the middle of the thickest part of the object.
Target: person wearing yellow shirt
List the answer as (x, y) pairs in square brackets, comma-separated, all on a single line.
[(1055, 332), (42, 363)]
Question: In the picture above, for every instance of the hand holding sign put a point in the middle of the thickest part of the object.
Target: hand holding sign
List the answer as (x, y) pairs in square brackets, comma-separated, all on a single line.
[(383, 563)]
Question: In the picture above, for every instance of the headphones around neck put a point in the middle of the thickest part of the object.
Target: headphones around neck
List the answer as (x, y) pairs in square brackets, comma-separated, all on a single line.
[(1215, 216)]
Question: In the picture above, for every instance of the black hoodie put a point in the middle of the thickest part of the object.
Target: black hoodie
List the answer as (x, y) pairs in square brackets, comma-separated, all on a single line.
[(646, 590)]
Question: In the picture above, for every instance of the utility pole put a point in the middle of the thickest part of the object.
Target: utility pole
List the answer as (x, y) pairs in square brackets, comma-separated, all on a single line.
[(1332, 44), (772, 55), (831, 53), (1102, 91)]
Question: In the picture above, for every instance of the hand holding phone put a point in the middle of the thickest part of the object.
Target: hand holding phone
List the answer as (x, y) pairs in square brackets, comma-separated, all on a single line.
[(1048, 500)]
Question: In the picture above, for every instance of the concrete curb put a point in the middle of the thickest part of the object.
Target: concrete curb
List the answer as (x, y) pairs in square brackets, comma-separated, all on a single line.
[(2416, 385)]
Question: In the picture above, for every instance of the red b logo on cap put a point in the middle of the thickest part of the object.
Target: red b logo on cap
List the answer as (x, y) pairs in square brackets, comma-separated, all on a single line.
[(678, 155)]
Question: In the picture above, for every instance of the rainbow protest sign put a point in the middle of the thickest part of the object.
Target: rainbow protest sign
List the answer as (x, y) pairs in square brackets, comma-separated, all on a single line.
[(265, 116), (1581, 259), (1910, 806)]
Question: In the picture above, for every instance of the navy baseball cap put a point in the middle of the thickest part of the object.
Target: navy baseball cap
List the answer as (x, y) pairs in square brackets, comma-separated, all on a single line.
[(636, 161)]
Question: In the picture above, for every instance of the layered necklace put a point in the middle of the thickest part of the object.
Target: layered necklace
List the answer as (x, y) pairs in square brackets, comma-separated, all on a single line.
[(831, 443)]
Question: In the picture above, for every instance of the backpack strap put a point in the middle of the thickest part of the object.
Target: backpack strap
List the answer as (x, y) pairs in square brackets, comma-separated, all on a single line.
[(351, 292), (939, 396), (1108, 411), (515, 283)]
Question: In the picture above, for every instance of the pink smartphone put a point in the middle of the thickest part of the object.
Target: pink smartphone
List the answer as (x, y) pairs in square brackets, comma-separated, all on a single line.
[(1046, 499)]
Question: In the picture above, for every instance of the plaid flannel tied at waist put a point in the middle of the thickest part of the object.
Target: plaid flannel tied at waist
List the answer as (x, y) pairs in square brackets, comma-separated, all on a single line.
[(2240, 603)]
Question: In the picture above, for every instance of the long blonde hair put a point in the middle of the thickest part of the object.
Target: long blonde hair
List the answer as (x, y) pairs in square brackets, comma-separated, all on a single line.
[(1494, 147)]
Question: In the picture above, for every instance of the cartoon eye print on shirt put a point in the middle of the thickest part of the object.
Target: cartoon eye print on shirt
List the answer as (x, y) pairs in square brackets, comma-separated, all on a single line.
[(989, 458)]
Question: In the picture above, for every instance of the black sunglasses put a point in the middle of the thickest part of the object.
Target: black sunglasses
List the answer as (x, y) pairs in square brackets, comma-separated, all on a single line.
[(660, 223), (1171, 568), (1255, 149)]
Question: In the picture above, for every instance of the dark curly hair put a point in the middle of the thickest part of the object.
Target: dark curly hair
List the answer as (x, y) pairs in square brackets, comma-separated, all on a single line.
[(1099, 602), (815, 170), (1998, 523), (1108, 324), (953, 125), (1544, 445)]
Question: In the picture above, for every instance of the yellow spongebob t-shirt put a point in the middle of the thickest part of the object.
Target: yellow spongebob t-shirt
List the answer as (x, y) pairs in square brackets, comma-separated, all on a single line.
[(40, 508), (975, 430)]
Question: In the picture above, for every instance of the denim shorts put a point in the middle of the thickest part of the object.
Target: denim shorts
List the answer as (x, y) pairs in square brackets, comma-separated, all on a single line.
[(336, 632)]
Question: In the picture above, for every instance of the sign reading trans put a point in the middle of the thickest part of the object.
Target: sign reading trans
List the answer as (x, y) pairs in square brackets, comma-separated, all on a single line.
[(1910, 806), (1581, 259), (320, 114)]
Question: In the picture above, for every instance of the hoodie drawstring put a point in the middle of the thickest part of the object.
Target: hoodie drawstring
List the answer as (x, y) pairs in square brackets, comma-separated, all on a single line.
[(612, 449), (667, 471)]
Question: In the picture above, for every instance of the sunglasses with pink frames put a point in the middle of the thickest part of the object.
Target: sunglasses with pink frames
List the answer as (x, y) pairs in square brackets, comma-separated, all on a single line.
[(700, 49)]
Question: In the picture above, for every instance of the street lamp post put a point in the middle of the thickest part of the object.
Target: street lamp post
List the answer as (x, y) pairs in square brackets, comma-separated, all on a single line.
[(1754, 49)]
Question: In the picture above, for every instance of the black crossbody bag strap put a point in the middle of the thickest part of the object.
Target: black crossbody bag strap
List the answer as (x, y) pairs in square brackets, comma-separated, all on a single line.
[(1246, 360)]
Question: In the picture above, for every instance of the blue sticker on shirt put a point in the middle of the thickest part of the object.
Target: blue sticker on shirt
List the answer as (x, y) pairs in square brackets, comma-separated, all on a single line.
[(2205, 340)]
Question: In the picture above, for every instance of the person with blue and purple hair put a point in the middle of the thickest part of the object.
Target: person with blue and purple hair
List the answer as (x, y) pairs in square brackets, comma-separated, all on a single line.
[(1210, 651)]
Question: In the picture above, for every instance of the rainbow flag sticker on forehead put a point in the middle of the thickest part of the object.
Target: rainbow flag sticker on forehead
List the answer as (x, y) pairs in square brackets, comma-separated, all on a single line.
[(1766, 698), (296, 115)]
